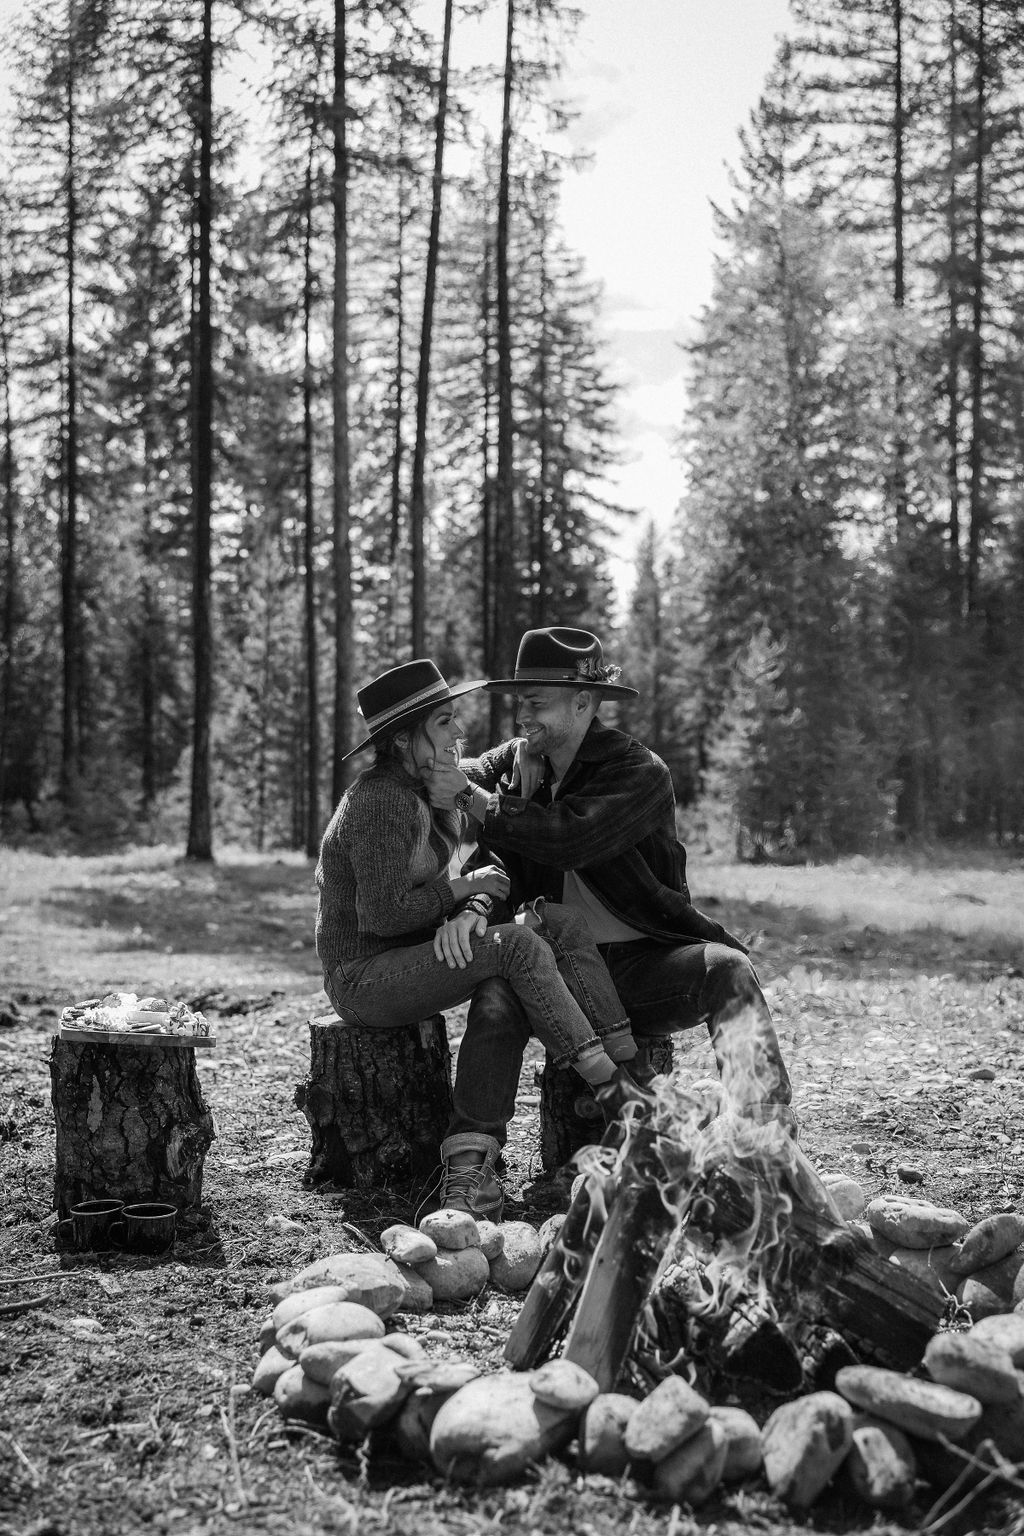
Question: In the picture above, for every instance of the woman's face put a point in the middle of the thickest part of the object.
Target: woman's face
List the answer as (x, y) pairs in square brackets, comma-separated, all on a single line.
[(438, 738)]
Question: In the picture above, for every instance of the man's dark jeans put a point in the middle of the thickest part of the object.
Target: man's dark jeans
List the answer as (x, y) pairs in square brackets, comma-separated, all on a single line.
[(665, 988)]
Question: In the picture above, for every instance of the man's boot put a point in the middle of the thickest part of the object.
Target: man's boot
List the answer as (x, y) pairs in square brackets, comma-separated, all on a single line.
[(468, 1178)]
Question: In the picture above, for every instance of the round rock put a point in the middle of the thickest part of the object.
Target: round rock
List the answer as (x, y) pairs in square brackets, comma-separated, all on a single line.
[(451, 1230), (602, 1434), (337, 1320), (492, 1239), (915, 1223), (456, 1274), (924, 1408), (407, 1245), (978, 1366), (743, 1442), (562, 1384), (667, 1416), (520, 1258), (1007, 1330), (881, 1464), (804, 1444), (850, 1199), (694, 1469)]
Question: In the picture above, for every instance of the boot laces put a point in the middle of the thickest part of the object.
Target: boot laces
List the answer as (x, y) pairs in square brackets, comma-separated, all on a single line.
[(461, 1183)]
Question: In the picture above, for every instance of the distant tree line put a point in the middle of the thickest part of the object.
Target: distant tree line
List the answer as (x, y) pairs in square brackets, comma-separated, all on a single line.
[(834, 627), (290, 391)]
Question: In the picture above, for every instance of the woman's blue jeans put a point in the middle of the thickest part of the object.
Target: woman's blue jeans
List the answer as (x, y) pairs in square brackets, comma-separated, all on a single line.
[(568, 1016)]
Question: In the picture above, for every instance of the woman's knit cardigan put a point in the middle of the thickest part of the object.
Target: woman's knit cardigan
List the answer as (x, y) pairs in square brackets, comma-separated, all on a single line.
[(382, 869)]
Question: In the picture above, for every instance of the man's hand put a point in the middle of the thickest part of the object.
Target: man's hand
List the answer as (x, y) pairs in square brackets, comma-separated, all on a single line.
[(443, 782), (527, 770), (490, 879), (452, 939)]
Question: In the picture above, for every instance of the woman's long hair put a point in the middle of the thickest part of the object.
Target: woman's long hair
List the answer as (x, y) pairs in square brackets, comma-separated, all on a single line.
[(451, 824)]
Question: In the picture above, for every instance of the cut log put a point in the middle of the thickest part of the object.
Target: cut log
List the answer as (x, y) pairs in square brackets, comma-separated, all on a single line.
[(378, 1102), (827, 1273), (570, 1117), (664, 1197), (622, 1268), (544, 1315), (131, 1123)]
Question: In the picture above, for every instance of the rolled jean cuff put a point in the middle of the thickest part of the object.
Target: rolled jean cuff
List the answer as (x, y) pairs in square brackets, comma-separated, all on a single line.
[(619, 1042), (593, 1064)]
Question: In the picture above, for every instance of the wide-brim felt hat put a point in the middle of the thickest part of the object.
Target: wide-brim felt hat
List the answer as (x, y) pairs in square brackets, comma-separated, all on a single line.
[(562, 658), (402, 693)]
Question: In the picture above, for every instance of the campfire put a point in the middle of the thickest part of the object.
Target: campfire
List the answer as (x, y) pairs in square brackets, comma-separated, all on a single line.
[(708, 1310)]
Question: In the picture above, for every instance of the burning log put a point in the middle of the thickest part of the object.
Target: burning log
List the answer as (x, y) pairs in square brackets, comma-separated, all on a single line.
[(743, 1199)]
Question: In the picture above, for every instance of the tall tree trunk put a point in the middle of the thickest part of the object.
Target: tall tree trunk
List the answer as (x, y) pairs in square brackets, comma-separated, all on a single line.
[(899, 125), (8, 599), (311, 829), (393, 599), (507, 586), (538, 553), (953, 320), (487, 582), (344, 643), (976, 464), (70, 755), (199, 831), (419, 459)]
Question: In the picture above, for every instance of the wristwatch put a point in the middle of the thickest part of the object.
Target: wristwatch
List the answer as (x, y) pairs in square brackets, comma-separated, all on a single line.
[(464, 798)]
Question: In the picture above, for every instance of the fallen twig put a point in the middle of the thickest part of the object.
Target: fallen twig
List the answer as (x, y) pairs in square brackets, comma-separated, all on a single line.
[(12, 1308), (30, 1466), (57, 1274), (227, 1419), (996, 1469)]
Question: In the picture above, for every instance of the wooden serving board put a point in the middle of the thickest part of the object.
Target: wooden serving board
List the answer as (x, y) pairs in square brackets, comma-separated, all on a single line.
[(126, 1037)]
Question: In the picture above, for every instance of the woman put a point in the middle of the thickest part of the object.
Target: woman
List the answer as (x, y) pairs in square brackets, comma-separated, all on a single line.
[(399, 937)]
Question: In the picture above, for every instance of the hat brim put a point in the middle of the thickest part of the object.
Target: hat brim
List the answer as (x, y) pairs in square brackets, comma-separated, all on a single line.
[(399, 720), (518, 684)]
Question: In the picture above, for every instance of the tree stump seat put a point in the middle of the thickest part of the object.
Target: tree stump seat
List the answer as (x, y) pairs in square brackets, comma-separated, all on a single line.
[(378, 1102), (131, 1123), (570, 1117)]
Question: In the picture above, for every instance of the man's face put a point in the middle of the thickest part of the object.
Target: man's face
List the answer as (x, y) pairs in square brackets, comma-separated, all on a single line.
[(547, 717)]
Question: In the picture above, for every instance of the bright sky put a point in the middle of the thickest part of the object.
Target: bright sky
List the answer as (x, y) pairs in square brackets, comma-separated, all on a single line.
[(663, 87)]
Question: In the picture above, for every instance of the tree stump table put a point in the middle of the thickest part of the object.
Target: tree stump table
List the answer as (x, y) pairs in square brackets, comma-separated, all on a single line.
[(570, 1116), (131, 1121), (378, 1102)]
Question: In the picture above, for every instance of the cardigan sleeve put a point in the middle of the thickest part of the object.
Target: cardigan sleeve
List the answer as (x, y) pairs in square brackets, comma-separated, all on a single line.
[(379, 831)]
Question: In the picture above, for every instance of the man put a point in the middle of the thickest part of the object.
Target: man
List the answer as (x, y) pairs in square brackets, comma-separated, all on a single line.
[(584, 816)]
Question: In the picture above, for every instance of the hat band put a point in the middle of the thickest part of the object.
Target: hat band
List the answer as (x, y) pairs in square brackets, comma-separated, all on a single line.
[(439, 691), (552, 674)]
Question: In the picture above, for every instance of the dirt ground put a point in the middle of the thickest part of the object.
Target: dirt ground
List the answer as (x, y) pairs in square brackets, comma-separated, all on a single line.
[(124, 1396)]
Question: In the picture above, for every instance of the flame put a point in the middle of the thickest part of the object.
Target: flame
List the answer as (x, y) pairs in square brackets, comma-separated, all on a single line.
[(727, 1173)]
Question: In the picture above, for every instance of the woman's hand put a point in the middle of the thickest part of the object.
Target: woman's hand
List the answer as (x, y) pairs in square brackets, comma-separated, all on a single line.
[(452, 939), (490, 879), (527, 770)]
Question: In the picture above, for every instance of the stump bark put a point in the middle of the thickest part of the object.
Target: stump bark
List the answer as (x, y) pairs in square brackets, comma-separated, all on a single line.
[(378, 1102), (570, 1117), (131, 1123)]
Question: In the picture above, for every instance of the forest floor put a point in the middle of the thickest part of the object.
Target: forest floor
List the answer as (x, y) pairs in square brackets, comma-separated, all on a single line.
[(124, 1391)]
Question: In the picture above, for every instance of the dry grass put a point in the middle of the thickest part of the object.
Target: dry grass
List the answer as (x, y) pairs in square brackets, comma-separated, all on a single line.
[(123, 1393), (982, 901)]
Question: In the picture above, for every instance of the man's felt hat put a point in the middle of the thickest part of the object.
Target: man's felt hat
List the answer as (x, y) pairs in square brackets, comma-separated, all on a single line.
[(562, 658), (397, 696)]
